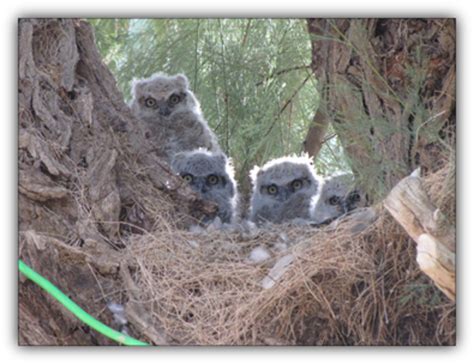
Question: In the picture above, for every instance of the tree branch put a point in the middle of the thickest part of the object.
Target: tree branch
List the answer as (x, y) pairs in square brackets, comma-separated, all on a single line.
[(435, 237)]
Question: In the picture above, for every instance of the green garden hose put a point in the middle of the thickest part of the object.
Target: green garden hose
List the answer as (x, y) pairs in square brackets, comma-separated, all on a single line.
[(75, 309)]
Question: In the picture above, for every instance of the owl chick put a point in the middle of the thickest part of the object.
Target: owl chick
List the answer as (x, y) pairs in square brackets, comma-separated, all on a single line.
[(338, 196), (171, 114), (284, 189), (211, 174)]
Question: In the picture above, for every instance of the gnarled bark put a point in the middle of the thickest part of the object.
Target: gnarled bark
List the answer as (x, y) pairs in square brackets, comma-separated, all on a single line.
[(388, 89), (76, 138)]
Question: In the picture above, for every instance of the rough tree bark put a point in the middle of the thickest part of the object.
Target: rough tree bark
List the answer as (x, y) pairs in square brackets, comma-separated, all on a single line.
[(388, 89), (72, 189), (74, 128)]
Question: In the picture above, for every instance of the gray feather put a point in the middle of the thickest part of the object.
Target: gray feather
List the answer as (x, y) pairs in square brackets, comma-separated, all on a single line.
[(284, 189), (202, 165)]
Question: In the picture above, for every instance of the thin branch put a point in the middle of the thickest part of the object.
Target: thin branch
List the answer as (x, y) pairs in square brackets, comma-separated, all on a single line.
[(226, 92), (196, 62), (287, 102), (283, 71), (247, 29), (328, 138)]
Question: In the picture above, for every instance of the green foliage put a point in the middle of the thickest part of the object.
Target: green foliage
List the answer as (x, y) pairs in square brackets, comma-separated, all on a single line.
[(252, 77), (387, 104)]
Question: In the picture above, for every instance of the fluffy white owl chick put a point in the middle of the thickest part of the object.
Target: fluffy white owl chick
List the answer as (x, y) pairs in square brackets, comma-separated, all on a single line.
[(284, 189), (338, 196), (171, 114), (210, 174)]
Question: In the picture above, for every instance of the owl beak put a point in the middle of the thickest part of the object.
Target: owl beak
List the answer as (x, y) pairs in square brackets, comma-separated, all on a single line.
[(283, 195), (164, 109), (201, 186), (346, 206)]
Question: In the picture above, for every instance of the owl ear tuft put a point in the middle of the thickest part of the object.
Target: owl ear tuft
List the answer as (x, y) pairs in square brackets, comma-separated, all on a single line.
[(308, 158), (225, 163), (182, 80), (221, 158), (136, 84)]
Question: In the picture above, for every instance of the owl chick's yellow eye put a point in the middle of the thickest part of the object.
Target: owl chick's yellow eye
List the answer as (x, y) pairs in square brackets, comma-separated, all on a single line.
[(334, 200), (188, 178), (150, 102), (212, 179), (297, 184), (174, 99), (272, 189)]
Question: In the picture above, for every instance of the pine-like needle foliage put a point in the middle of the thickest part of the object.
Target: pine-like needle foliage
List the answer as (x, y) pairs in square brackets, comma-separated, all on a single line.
[(251, 76)]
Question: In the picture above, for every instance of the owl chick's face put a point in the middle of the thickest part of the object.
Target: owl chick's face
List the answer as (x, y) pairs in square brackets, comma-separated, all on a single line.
[(276, 185), (161, 96), (210, 175), (283, 190), (338, 196)]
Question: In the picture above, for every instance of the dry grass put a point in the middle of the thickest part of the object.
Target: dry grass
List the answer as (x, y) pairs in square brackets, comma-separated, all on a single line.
[(341, 288)]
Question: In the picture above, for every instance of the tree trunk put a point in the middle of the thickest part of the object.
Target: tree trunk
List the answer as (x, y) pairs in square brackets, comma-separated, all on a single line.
[(320, 52), (75, 188), (79, 171), (388, 89)]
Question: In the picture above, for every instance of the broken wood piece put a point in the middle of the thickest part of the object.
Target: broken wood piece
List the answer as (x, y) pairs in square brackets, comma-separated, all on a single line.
[(280, 267), (410, 205)]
